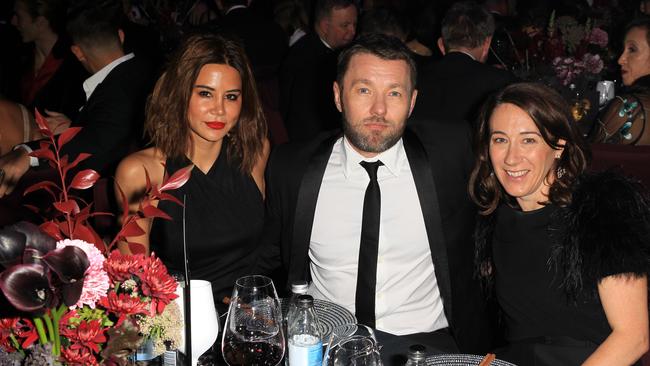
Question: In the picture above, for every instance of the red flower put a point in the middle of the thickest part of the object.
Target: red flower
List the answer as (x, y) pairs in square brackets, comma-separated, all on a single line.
[(120, 267), (78, 356), (123, 304), (86, 334), (24, 328), (6, 327), (159, 285)]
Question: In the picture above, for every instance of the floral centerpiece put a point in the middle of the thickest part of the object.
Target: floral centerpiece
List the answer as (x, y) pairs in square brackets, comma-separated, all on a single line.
[(69, 297), (576, 52)]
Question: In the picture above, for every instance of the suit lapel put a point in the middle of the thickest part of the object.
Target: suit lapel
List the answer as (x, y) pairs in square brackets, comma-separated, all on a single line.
[(306, 206), (426, 189)]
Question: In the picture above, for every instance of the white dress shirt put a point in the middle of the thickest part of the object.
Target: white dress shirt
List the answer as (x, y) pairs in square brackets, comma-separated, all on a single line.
[(92, 82), (89, 86), (407, 296)]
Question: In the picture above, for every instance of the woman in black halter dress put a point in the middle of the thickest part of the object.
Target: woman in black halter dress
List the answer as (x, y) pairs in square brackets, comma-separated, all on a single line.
[(204, 111)]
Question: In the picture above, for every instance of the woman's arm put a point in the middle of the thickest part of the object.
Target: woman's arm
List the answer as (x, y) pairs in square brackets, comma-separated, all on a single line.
[(625, 301), (130, 178), (260, 166)]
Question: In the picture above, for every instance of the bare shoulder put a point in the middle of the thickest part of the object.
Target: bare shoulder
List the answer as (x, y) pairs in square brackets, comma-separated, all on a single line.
[(131, 170)]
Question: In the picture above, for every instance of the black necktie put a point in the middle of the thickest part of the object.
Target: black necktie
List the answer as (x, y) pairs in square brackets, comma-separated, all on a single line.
[(367, 272)]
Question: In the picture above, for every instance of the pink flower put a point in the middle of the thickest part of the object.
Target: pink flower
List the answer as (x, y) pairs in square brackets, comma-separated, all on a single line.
[(598, 37), (96, 281), (593, 63)]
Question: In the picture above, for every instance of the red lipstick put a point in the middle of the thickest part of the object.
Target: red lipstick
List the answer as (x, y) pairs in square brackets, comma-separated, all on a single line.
[(216, 125)]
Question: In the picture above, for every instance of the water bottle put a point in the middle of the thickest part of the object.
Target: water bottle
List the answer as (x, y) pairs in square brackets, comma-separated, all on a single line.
[(298, 288), (305, 344), (417, 355)]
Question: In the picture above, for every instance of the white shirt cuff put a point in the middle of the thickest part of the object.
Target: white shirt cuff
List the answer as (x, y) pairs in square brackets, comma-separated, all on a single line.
[(33, 161)]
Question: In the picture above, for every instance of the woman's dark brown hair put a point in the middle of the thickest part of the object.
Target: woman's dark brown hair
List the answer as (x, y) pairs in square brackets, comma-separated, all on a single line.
[(167, 122), (552, 117)]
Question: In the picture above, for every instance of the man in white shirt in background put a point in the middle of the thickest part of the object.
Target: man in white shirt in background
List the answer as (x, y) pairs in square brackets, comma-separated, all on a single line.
[(112, 116)]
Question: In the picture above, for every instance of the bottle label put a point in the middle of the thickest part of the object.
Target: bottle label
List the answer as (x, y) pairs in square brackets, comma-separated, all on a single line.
[(305, 350)]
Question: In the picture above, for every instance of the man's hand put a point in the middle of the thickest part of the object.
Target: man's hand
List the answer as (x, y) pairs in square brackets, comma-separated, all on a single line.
[(13, 166), (58, 122)]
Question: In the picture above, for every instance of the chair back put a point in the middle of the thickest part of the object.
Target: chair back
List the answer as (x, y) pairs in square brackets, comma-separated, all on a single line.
[(633, 161)]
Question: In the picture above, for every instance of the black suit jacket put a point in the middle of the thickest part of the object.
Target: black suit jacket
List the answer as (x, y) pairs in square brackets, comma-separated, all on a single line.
[(440, 158), (306, 95), (455, 87), (112, 118)]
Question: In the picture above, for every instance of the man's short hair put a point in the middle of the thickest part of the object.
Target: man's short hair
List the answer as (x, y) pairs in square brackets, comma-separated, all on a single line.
[(466, 24), (324, 8), (94, 23), (380, 45)]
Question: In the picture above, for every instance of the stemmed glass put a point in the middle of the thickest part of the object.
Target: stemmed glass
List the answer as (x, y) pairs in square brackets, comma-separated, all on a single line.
[(352, 345), (253, 333)]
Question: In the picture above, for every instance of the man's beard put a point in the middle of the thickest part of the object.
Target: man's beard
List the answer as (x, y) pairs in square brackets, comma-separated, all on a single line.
[(371, 141)]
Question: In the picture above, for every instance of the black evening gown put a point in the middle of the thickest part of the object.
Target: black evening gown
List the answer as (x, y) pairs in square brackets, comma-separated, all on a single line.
[(224, 215)]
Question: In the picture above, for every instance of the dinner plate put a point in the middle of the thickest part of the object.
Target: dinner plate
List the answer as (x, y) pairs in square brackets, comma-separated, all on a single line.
[(461, 360), (330, 315)]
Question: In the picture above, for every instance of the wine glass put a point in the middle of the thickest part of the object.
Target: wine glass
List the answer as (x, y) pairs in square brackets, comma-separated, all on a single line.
[(204, 318), (352, 345), (253, 333)]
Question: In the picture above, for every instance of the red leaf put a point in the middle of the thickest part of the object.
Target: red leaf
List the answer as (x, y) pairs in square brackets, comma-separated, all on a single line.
[(44, 144), (152, 211), (67, 207), (177, 179), (131, 229), (46, 185), (52, 229), (63, 226), (136, 248), (84, 179), (81, 157), (125, 203), (87, 233), (43, 154), (68, 135), (42, 123), (168, 197)]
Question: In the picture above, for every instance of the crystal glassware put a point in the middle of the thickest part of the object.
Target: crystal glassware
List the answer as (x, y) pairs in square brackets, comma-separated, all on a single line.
[(253, 333), (352, 345)]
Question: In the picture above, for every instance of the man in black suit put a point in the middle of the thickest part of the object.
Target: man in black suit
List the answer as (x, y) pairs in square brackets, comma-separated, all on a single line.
[(455, 87), (391, 244), (116, 92), (308, 71)]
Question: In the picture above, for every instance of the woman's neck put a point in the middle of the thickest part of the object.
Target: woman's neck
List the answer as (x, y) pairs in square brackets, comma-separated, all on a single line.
[(205, 153)]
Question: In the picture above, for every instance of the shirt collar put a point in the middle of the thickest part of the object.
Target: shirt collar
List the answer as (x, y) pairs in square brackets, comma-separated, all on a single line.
[(235, 7), (393, 158), (325, 43), (465, 52), (92, 82)]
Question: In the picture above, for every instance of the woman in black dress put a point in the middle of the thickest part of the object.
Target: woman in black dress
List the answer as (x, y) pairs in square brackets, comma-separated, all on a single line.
[(565, 253), (204, 111)]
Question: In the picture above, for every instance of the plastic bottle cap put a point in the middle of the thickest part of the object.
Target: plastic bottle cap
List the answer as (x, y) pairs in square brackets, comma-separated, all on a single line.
[(299, 287), (305, 301)]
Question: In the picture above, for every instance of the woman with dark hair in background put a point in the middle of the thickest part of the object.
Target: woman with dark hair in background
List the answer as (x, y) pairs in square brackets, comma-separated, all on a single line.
[(204, 111), (565, 253), (625, 120)]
